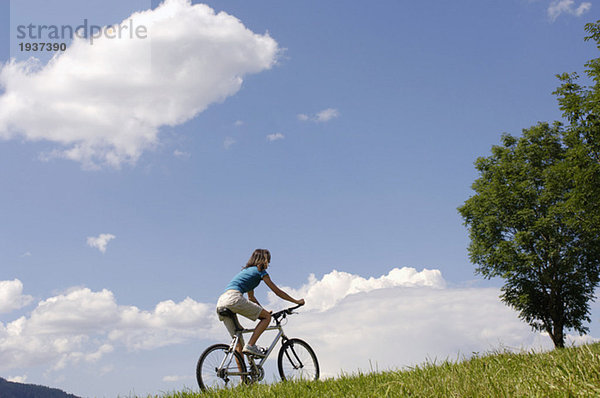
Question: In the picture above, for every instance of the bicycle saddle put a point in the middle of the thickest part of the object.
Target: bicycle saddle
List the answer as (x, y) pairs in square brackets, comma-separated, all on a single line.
[(225, 312)]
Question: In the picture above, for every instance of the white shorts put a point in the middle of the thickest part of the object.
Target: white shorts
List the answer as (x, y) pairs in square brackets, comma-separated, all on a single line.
[(236, 302)]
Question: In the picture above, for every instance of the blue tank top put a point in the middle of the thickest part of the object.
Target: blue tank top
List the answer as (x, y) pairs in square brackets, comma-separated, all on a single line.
[(246, 280)]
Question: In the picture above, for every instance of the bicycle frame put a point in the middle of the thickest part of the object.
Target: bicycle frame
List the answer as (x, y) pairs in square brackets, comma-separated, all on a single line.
[(296, 359), (227, 360)]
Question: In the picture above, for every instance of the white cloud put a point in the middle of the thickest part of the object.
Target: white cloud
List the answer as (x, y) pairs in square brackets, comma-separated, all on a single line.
[(102, 350), (394, 320), (83, 326), (103, 104), (169, 323), (12, 297), (401, 326), (402, 319), (100, 242), (17, 379), (559, 7), (325, 293), (229, 142), (275, 137), (238, 123), (321, 117), (181, 154), (175, 378), (327, 114)]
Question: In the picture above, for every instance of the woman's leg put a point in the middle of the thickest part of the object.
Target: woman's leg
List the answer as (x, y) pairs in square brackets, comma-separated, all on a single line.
[(265, 320), (239, 348)]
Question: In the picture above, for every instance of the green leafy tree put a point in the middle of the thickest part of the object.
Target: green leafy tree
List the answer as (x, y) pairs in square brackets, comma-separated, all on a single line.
[(534, 219)]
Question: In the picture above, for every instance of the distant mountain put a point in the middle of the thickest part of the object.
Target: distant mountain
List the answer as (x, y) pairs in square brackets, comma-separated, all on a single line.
[(8, 389)]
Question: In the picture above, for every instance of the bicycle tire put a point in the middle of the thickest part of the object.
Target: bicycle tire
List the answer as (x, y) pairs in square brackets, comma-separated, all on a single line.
[(210, 360), (297, 361)]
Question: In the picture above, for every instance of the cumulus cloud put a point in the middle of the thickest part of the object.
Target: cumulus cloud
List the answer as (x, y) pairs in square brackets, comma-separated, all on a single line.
[(100, 242), (275, 137), (559, 7), (404, 318), (103, 104), (83, 326), (12, 297), (403, 326), (354, 323), (325, 293), (320, 117)]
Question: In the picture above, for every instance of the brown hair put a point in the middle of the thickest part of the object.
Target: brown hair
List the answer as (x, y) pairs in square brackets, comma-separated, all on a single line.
[(260, 257)]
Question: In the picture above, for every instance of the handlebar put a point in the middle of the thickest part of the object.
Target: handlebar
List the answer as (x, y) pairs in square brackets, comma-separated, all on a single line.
[(283, 313)]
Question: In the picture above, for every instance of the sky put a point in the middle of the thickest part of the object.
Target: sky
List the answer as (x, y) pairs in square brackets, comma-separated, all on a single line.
[(138, 172)]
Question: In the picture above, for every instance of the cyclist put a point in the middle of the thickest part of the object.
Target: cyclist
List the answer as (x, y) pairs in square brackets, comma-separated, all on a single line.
[(233, 299)]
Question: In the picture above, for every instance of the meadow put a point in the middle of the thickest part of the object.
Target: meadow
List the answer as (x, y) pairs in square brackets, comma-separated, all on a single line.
[(568, 372)]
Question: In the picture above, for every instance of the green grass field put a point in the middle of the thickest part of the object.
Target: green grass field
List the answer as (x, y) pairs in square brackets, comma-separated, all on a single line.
[(570, 372)]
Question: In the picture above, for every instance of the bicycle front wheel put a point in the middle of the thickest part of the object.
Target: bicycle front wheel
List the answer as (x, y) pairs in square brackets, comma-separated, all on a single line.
[(297, 361), (210, 375)]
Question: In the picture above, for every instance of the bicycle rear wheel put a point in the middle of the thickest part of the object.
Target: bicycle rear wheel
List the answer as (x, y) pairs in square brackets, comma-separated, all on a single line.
[(297, 361), (210, 376)]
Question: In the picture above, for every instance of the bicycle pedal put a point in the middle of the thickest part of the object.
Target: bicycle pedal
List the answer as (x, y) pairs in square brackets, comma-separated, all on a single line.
[(262, 352)]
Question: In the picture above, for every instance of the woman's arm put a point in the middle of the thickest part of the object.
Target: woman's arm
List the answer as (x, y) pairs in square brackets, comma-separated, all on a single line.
[(252, 298), (280, 292)]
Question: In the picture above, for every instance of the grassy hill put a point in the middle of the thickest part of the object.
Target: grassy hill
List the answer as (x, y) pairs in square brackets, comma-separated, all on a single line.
[(570, 372)]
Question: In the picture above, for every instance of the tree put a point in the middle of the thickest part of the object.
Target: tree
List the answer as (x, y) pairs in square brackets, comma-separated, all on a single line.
[(534, 219)]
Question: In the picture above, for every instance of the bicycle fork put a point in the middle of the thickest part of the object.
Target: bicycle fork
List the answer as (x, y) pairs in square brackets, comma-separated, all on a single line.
[(296, 362)]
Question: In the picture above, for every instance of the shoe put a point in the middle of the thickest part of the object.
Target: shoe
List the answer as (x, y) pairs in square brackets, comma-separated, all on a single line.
[(254, 350)]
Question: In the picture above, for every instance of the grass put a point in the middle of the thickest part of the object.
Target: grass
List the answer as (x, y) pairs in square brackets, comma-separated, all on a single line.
[(569, 372)]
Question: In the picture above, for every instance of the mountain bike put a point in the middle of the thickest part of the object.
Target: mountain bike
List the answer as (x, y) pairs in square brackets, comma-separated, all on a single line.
[(221, 366)]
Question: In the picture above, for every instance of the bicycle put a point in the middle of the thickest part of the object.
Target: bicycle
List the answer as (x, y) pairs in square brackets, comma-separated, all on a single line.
[(221, 366)]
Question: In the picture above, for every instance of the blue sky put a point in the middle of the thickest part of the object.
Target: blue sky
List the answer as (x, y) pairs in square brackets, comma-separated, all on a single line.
[(348, 149)]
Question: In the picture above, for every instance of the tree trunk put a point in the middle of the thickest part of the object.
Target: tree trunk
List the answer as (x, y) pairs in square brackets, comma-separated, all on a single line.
[(558, 336), (557, 308)]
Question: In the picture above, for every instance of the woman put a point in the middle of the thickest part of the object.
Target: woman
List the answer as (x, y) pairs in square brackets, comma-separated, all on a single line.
[(233, 299)]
